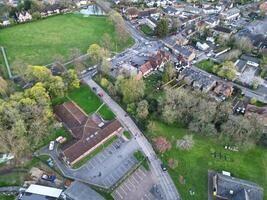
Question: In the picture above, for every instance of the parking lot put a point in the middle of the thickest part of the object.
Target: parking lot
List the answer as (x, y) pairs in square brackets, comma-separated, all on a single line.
[(110, 165), (139, 186)]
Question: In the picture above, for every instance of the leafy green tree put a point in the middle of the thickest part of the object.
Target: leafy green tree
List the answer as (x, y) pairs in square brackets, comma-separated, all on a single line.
[(227, 70), (95, 53), (106, 41), (132, 90), (3, 87), (71, 79), (54, 84), (169, 72), (162, 28), (142, 109)]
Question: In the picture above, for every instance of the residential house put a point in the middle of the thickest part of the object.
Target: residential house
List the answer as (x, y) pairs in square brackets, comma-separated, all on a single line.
[(144, 70), (173, 40), (23, 16), (245, 62), (131, 13), (260, 112), (197, 79), (222, 186), (170, 10), (212, 21), (223, 32), (223, 90), (40, 192), (210, 10), (192, 9), (155, 62), (230, 15), (149, 21), (89, 132), (147, 12), (202, 46), (184, 53)]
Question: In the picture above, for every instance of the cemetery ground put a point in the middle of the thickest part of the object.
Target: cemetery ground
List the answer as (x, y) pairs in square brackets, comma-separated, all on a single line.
[(191, 172)]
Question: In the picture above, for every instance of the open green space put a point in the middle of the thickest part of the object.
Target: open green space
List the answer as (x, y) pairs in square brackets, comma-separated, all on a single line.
[(12, 179), (206, 65), (193, 164), (11, 197), (53, 136), (38, 42), (94, 152), (90, 102), (146, 30)]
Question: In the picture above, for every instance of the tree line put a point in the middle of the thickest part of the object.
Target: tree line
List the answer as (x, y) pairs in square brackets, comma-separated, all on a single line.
[(26, 117)]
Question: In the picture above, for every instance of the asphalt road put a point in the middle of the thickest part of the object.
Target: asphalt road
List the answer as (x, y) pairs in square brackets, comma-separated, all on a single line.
[(164, 178)]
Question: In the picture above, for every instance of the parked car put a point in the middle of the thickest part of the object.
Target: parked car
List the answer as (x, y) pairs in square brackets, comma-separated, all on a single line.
[(51, 145), (94, 88), (61, 140), (50, 162), (163, 167), (100, 94), (47, 177)]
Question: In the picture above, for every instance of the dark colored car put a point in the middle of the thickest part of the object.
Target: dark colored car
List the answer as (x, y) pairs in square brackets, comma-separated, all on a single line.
[(50, 178), (163, 167)]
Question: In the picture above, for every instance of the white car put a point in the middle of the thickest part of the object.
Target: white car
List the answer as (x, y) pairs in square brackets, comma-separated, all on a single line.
[(51, 145)]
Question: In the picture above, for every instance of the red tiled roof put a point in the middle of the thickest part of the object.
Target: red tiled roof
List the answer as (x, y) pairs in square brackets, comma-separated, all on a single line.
[(146, 67)]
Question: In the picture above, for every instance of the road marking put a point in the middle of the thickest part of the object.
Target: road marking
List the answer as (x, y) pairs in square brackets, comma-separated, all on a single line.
[(135, 179), (123, 190), (126, 185), (137, 174), (119, 194)]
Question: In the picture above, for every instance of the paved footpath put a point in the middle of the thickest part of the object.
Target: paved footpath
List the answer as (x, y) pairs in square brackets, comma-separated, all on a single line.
[(165, 180)]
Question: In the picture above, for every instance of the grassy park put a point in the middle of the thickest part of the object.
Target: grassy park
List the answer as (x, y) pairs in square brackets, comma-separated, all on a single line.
[(37, 43), (207, 153)]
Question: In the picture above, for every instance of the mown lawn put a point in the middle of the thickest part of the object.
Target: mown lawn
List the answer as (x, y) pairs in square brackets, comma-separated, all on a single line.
[(38, 42), (53, 136), (12, 197), (194, 164), (12, 179), (206, 65), (146, 30), (90, 102)]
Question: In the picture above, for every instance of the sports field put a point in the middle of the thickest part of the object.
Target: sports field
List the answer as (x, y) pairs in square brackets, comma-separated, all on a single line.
[(37, 43)]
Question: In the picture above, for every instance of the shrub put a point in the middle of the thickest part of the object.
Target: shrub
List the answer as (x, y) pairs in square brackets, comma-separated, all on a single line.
[(172, 163), (162, 144), (186, 143), (104, 82)]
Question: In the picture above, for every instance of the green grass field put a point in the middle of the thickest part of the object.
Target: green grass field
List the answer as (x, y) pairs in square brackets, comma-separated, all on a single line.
[(146, 30), (194, 164), (90, 102), (38, 42), (206, 65)]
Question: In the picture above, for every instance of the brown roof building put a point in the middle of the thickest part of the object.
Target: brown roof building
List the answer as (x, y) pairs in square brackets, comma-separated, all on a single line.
[(225, 90), (88, 132)]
